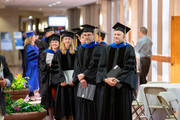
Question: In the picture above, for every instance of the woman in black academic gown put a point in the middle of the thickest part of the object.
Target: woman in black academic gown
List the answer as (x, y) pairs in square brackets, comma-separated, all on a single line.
[(64, 107), (48, 73)]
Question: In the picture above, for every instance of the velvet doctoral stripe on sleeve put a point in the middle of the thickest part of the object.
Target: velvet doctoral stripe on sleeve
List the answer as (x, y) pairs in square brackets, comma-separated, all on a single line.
[(127, 62), (32, 55)]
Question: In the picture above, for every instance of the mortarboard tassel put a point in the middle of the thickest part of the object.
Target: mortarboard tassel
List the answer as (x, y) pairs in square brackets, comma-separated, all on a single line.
[(95, 35), (60, 40), (76, 42), (125, 36), (99, 35)]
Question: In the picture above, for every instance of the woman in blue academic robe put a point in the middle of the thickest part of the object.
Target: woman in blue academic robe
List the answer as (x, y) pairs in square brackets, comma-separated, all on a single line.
[(30, 65)]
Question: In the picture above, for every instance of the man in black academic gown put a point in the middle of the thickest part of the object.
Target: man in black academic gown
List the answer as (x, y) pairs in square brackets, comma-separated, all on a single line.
[(116, 94), (90, 68), (44, 43), (100, 38), (5, 80)]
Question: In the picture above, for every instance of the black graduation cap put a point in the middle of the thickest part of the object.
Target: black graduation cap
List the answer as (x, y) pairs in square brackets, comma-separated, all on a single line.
[(76, 30), (67, 34), (80, 32), (53, 37), (102, 34), (88, 28), (120, 27), (48, 29)]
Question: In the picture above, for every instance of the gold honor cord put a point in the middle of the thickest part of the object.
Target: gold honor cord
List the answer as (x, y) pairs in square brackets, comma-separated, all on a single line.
[(125, 35)]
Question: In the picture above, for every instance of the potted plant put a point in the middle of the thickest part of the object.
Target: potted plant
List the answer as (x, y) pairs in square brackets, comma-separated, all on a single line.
[(17, 88), (20, 110)]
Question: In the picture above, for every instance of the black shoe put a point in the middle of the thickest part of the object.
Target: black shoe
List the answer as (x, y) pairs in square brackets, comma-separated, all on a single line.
[(31, 94)]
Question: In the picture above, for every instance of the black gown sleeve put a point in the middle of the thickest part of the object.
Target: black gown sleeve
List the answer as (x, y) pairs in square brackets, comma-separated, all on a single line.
[(6, 71), (101, 72), (42, 46), (56, 73), (128, 74), (43, 67), (97, 65), (76, 69)]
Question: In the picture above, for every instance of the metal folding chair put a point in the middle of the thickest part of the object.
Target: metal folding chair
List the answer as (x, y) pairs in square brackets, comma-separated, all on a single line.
[(153, 91), (137, 108), (166, 99)]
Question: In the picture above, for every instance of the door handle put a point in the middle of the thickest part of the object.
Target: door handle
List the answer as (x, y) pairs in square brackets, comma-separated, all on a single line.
[(173, 64)]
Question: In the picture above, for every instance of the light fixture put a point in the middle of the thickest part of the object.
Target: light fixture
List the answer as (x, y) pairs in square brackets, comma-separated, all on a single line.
[(50, 5), (58, 2), (40, 9), (34, 27), (54, 4), (29, 28), (30, 17)]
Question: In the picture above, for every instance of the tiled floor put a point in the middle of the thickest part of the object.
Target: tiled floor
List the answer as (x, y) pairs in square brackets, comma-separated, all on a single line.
[(36, 99)]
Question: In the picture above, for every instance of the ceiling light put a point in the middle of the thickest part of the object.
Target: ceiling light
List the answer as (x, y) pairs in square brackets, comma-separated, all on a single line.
[(50, 5), (40, 9), (7, 0), (54, 4), (58, 2), (30, 17)]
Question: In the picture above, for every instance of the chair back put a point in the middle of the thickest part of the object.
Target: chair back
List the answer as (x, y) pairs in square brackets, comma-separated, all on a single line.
[(156, 82), (167, 108), (169, 97), (153, 90)]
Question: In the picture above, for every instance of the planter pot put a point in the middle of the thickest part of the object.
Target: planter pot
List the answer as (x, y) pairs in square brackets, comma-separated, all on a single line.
[(26, 116), (17, 94)]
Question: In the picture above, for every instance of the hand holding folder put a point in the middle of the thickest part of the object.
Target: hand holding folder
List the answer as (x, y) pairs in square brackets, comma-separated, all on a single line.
[(86, 93), (114, 73)]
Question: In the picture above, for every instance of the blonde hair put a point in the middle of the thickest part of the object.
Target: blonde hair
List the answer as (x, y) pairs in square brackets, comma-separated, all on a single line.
[(28, 41), (63, 49)]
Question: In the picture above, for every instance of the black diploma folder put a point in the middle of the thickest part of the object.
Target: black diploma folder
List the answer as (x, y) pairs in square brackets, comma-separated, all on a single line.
[(114, 73)]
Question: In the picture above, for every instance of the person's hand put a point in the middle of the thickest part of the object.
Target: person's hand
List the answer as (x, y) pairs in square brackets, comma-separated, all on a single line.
[(83, 83), (3, 82), (63, 83), (81, 76), (50, 65), (133, 43), (71, 83), (111, 81)]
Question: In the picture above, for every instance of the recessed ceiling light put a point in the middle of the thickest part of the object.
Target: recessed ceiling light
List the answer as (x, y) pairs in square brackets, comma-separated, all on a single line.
[(54, 4), (7, 0), (58, 2), (50, 5), (40, 9)]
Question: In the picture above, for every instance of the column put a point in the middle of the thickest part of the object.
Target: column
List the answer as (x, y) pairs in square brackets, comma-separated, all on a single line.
[(106, 22)]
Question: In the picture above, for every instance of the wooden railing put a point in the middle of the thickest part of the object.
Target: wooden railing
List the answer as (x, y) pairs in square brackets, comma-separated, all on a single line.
[(160, 58)]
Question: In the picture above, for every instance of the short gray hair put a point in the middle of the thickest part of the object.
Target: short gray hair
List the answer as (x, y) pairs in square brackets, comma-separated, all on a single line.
[(143, 30)]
